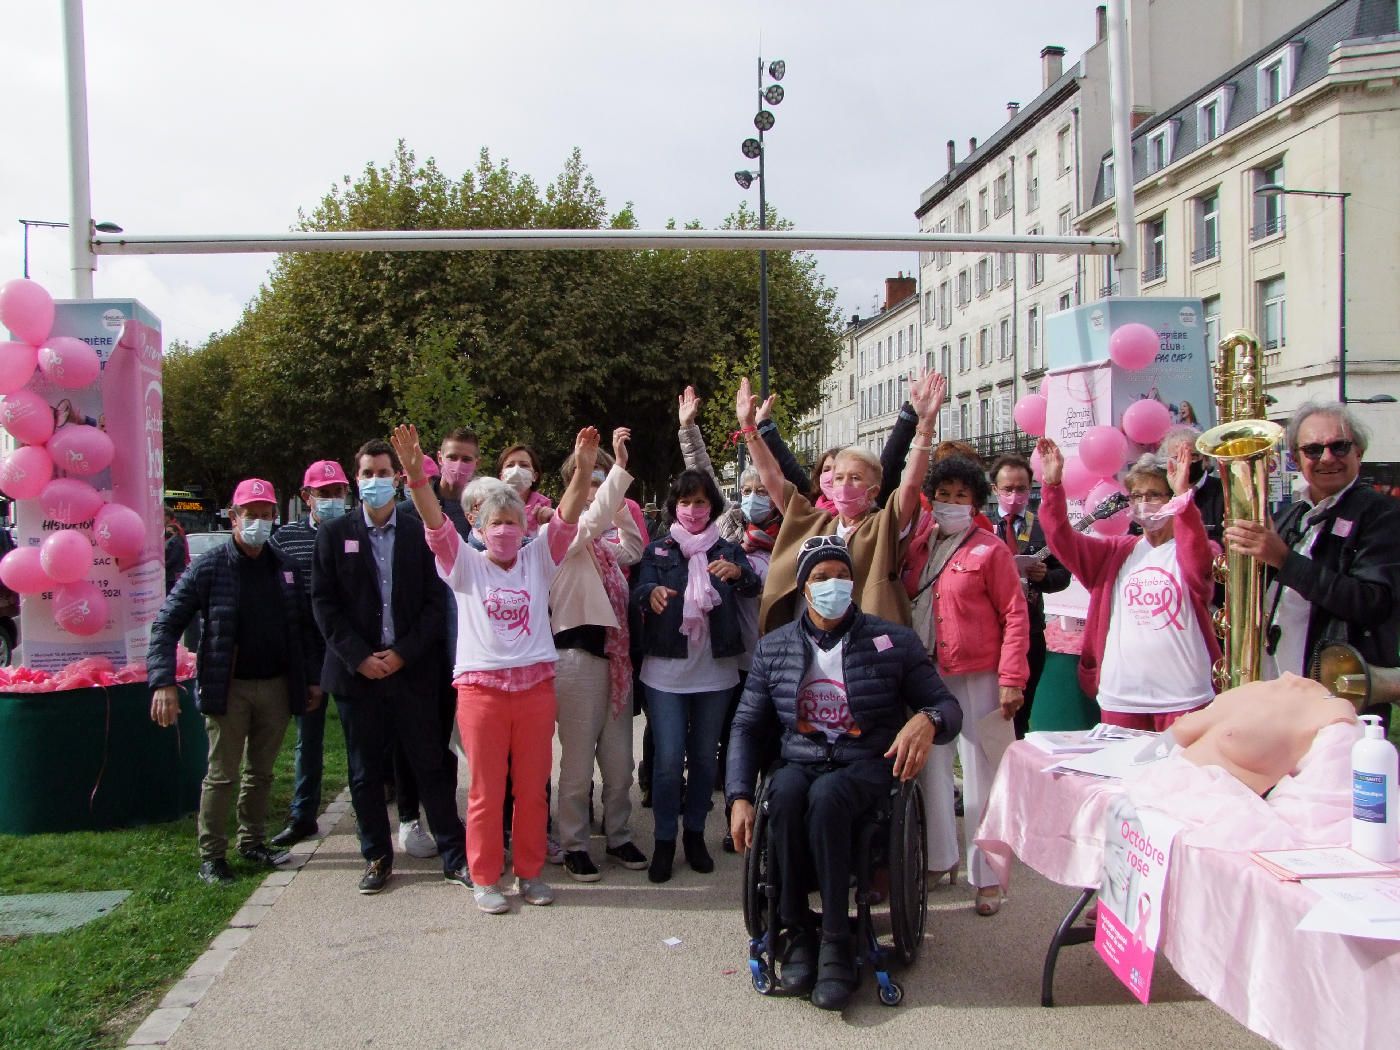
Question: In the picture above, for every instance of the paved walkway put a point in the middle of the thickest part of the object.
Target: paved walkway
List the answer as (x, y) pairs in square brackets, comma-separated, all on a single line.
[(418, 966)]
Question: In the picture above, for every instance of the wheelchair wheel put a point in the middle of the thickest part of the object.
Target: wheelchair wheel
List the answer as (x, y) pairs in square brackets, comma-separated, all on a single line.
[(908, 855), (757, 874)]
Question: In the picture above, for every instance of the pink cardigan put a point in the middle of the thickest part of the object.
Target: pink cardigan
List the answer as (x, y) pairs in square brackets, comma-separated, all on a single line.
[(980, 616), (1095, 560)]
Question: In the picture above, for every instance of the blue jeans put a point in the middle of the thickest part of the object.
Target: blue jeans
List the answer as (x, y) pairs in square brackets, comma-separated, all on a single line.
[(686, 728), (306, 793)]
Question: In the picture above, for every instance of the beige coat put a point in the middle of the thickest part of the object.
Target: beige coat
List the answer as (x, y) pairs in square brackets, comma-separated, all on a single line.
[(577, 595), (877, 554)]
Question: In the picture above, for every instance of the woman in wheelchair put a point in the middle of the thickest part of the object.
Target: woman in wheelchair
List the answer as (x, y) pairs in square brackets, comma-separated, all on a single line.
[(842, 684)]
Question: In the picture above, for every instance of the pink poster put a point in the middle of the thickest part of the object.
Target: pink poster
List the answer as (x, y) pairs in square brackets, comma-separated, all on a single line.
[(1137, 858)]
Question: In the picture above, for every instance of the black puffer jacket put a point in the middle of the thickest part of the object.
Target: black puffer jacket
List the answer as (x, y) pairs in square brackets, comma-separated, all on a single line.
[(210, 586), (888, 676)]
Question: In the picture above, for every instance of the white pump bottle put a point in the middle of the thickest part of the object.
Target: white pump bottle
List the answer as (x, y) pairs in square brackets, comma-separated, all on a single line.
[(1375, 826)]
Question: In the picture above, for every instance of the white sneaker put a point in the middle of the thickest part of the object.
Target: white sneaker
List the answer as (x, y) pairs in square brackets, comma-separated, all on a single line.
[(416, 842), (490, 900), (553, 852), (534, 891)]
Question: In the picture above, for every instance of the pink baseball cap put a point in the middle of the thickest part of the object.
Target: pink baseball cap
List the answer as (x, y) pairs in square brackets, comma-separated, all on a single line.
[(324, 472), (254, 490), (430, 467)]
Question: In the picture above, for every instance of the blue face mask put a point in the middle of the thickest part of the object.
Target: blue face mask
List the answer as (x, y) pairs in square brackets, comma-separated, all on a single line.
[(756, 507), (254, 531), (376, 492), (328, 509), (830, 598)]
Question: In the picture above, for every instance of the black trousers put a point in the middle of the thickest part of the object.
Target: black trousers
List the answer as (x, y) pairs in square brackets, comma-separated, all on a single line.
[(813, 810), (1035, 656), (414, 719), (406, 784)]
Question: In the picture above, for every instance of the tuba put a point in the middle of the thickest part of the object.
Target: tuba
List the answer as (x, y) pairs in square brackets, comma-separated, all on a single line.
[(1242, 444)]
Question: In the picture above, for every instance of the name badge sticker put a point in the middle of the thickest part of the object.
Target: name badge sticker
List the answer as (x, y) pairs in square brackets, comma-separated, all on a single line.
[(1342, 527), (289, 577), (883, 642), (352, 546)]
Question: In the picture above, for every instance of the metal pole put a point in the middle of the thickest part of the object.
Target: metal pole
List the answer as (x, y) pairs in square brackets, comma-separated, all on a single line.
[(84, 262), (1120, 111), (1342, 312), (762, 255), (26, 248)]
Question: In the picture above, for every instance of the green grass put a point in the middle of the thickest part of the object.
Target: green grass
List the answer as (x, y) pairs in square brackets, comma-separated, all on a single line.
[(92, 986)]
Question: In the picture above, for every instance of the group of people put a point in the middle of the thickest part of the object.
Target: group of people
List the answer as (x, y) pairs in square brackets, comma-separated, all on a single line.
[(829, 633)]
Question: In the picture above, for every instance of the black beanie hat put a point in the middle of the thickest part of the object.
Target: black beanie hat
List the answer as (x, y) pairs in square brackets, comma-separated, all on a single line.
[(817, 549)]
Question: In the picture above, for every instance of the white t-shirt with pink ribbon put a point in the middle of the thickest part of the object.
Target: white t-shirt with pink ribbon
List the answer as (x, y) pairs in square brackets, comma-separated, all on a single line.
[(822, 703), (1155, 660), (502, 614)]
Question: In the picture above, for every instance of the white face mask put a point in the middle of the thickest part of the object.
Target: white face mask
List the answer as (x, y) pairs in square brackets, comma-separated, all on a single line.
[(1151, 518), (952, 517), (518, 477)]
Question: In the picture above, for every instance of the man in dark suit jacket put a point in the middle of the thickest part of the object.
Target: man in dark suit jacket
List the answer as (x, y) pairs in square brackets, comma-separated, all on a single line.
[(382, 607), (1019, 529)]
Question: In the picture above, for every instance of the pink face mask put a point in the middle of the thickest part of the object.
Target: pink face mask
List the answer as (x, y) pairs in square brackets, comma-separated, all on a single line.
[(824, 483), (503, 540), (1013, 503), (457, 473), (694, 517), (851, 500)]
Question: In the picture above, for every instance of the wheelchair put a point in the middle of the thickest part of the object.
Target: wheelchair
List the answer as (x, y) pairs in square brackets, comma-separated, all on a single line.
[(893, 840)]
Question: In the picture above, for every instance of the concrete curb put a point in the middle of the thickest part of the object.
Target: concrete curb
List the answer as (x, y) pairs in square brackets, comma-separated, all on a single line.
[(161, 1024)]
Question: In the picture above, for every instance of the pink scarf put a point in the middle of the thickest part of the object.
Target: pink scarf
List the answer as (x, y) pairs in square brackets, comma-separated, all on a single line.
[(700, 593), (615, 638)]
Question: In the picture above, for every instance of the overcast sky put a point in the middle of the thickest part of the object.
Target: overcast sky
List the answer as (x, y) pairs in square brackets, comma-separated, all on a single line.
[(228, 117)]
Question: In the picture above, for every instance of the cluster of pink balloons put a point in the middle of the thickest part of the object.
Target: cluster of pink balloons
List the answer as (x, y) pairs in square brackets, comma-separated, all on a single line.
[(64, 560), (1089, 476)]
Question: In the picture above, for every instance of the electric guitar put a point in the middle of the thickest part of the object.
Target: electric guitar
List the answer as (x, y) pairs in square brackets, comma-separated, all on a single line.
[(1104, 510)]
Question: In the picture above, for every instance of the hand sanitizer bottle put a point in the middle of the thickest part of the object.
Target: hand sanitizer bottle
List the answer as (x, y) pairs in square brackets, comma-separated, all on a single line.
[(1374, 830)]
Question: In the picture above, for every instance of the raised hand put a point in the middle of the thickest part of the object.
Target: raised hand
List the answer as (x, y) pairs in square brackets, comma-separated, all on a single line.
[(586, 450), (1179, 468), (622, 435), (1052, 461), (746, 405), (688, 407), (765, 410), (927, 394), (410, 452)]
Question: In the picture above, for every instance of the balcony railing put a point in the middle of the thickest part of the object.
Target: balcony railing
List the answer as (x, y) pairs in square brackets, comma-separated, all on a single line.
[(1267, 228), (1154, 271), (989, 446), (1206, 251)]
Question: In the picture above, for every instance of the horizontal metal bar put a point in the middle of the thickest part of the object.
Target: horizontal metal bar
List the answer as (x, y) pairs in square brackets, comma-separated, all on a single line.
[(622, 240)]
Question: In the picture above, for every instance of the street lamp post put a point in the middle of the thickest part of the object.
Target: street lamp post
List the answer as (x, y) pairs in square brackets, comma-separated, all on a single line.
[(754, 150), (1273, 189), (100, 227)]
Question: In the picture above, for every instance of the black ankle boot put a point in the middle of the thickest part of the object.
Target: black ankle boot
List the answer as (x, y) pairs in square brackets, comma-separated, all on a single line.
[(696, 855), (662, 856), (836, 974)]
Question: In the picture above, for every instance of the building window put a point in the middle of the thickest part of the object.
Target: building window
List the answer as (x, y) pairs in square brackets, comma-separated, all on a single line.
[(1064, 303), (889, 395), (984, 416), (1037, 261), (964, 354), (942, 259), (984, 275), (962, 220), (1001, 196), (1274, 77), (945, 307), (964, 420), (1032, 181), (928, 361), (1108, 189), (1064, 223), (964, 286), (1007, 263), (880, 354), (902, 391), (1210, 307), (984, 346), (1062, 150), (1268, 211), (900, 343), (928, 306), (862, 362), (1033, 360), (1272, 313), (945, 359), (863, 395), (911, 339), (1154, 249), (851, 396), (1004, 339), (1207, 225), (1213, 114), (1110, 278), (1159, 147), (983, 215)]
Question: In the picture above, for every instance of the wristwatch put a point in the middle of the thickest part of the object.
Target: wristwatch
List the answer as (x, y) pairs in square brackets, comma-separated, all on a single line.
[(934, 717)]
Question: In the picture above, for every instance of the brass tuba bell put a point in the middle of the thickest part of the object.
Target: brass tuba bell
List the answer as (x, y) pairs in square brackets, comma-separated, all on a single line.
[(1346, 673)]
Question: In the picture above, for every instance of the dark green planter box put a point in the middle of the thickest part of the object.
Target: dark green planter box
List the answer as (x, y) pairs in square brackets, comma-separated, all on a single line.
[(1059, 702), (91, 759)]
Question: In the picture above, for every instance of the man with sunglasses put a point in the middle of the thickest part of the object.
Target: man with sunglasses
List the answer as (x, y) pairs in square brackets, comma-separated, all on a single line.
[(1335, 552)]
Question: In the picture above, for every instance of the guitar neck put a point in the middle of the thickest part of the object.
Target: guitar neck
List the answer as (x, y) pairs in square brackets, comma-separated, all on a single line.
[(1082, 525)]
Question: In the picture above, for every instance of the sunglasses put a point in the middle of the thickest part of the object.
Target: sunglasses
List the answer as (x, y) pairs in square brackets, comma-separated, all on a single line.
[(816, 543), (1339, 449)]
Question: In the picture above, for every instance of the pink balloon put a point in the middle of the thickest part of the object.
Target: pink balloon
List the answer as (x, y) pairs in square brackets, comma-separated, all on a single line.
[(69, 362), (25, 472), (80, 608), (27, 416), (119, 530), (17, 361), (26, 310), (1035, 465), (1029, 414), (70, 501), (66, 556), (81, 450), (21, 572), (1114, 526), (1078, 479), (1134, 346), (1146, 421), (1117, 524), (1103, 450)]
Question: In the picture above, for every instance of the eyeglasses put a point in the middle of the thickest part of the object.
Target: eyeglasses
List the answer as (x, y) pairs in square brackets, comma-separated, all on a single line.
[(1147, 497), (816, 543), (1339, 449)]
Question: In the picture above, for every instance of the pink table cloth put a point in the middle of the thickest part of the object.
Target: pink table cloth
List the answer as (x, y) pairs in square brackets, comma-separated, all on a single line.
[(1228, 925)]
